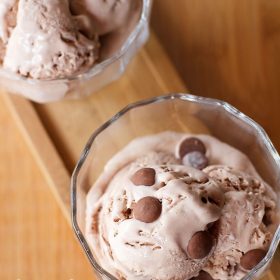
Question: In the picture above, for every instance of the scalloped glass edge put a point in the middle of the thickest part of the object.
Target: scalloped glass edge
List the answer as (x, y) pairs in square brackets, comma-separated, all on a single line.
[(185, 97), (99, 67)]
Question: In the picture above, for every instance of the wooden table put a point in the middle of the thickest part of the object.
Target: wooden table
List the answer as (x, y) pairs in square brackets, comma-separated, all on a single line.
[(35, 238), (227, 49)]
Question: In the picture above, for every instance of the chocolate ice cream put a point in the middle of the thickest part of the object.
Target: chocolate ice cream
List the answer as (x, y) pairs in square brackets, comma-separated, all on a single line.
[(175, 206), (246, 225), (50, 39)]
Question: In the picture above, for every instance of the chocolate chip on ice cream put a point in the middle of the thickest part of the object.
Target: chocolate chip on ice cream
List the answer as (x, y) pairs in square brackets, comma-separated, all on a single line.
[(147, 209), (250, 259), (144, 176), (200, 245), (191, 144)]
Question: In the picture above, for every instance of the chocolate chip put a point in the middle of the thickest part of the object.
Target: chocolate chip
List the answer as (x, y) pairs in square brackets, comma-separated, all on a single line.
[(268, 217), (190, 145), (200, 245), (195, 159), (250, 259), (143, 176), (147, 209), (203, 275)]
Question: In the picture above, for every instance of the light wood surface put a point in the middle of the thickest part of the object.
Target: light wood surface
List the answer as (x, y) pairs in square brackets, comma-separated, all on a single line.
[(227, 49), (42, 148), (36, 240)]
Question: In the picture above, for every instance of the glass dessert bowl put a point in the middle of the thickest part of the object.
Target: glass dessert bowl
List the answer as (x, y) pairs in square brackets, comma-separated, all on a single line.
[(179, 113), (116, 49)]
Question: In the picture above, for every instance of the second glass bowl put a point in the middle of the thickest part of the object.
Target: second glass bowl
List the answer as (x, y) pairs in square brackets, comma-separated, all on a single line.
[(92, 80), (181, 113)]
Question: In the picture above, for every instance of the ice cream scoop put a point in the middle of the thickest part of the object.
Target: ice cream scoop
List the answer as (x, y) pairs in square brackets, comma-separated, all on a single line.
[(54, 39), (138, 225), (155, 214)]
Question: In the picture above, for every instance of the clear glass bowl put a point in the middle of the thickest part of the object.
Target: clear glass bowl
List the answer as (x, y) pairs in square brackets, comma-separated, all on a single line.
[(86, 83), (177, 112)]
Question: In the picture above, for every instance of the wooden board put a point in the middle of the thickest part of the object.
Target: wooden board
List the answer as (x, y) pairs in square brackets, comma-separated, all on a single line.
[(56, 133), (34, 234)]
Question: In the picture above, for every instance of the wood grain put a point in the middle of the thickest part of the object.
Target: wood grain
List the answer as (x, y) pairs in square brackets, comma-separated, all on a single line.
[(42, 149), (227, 49), (35, 239)]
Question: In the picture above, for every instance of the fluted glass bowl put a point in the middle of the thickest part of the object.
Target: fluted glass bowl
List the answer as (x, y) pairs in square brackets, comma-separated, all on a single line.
[(93, 79), (176, 112)]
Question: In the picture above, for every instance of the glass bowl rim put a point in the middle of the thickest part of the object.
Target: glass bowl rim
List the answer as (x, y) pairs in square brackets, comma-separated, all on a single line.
[(97, 68), (184, 97)]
